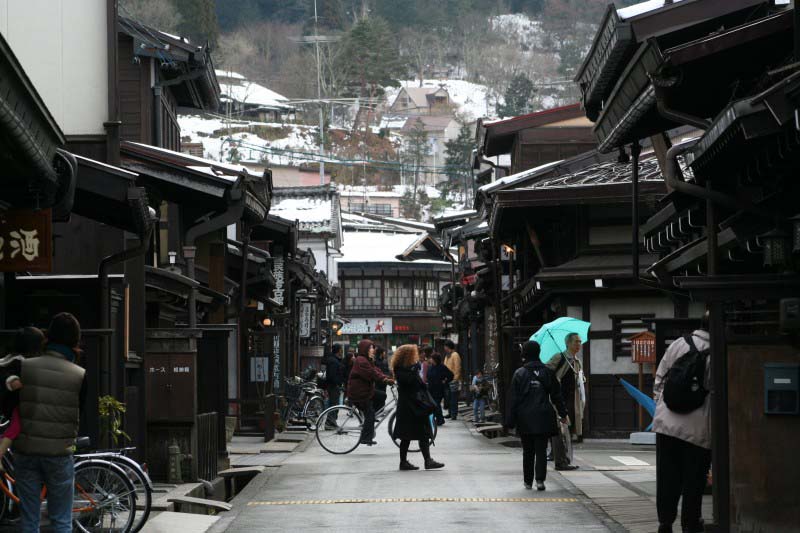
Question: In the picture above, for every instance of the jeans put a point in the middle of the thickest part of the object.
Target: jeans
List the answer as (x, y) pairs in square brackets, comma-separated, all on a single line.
[(58, 474), (479, 410), (681, 469), (455, 389), (534, 457), (333, 399), (368, 429)]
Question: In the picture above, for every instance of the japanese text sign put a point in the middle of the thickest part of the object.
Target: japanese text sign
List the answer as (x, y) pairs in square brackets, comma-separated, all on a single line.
[(643, 347), (26, 243)]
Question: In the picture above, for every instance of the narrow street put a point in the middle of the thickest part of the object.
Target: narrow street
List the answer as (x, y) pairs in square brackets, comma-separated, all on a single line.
[(480, 488)]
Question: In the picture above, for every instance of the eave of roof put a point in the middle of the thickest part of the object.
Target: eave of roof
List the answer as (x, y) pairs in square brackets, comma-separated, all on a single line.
[(631, 110), (496, 137)]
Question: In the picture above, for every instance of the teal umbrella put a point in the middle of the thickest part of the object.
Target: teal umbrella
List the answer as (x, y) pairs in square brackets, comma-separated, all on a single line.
[(551, 336)]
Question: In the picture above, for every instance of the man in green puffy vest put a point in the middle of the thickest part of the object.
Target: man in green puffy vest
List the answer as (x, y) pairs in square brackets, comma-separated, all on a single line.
[(51, 395)]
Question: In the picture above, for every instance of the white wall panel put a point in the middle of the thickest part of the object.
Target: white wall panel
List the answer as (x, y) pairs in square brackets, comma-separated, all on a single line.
[(62, 46)]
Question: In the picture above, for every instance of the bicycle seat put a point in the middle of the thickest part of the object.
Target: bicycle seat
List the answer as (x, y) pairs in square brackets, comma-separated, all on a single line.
[(83, 443)]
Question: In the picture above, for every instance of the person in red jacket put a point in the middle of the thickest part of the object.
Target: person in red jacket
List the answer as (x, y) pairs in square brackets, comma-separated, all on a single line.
[(361, 387)]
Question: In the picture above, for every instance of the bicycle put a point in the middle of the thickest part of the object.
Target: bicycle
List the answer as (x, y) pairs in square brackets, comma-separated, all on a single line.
[(303, 400), (340, 433), (136, 474), (104, 498)]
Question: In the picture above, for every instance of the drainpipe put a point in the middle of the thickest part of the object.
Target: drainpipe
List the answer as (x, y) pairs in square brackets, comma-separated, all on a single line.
[(673, 114), (105, 298), (231, 216), (158, 139), (243, 287), (636, 149), (672, 175)]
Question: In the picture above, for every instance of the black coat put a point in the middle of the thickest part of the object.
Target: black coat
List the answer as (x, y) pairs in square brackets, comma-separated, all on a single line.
[(534, 392), (407, 425), (438, 378), (334, 371)]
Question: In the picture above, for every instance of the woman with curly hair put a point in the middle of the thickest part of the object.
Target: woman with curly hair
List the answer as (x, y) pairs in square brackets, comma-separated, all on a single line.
[(410, 423)]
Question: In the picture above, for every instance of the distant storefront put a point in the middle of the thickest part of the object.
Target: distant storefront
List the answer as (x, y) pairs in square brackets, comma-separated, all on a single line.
[(391, 332)]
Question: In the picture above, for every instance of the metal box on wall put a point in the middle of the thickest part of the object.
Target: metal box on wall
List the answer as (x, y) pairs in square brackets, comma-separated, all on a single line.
[(781, 389)]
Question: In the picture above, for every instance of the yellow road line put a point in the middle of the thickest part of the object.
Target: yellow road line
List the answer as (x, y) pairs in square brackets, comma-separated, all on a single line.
[(414, 500)]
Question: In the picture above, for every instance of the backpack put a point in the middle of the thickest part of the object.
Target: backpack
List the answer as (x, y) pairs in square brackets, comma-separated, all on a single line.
[(684, 384)]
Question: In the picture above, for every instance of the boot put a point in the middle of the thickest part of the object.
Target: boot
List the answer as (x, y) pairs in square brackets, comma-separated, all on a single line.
[(430, 464), (405, 465)]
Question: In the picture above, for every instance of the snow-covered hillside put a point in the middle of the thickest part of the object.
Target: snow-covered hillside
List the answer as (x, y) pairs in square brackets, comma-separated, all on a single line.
[(253, 141)]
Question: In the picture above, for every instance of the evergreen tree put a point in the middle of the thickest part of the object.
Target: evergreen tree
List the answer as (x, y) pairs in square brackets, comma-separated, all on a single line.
[(517, 97), (417, 148), (199, 20), (458, 161), (369, 59)]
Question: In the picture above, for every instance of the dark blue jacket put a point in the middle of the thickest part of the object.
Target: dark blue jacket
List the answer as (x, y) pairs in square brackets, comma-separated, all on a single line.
[(438, 378), (534, 393)]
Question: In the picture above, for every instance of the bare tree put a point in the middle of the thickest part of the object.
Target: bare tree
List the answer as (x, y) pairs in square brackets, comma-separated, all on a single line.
[(159, 14)]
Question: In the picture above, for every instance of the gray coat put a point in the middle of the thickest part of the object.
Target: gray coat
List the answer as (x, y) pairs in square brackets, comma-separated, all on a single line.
[(694, 427), (49, 405)]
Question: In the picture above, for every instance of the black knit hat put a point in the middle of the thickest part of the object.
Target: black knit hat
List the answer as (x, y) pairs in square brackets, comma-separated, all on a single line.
[(530, 351), (64, 329)]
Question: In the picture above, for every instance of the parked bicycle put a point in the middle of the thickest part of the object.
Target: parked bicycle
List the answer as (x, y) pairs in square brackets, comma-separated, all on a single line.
[(112, 493), (490, 373), (339, 427), (303, 401)]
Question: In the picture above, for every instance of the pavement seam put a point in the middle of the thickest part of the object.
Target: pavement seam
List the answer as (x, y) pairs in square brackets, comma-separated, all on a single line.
[(414, 500)]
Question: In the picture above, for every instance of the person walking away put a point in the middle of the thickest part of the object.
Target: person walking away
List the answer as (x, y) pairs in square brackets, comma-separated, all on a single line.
[(361, 388), (43, 449), (453, 361), (379, 400), (334, 378), (567, 369), (683, 439), (28, 342), (480, 395), (412, 422), (439, 378), (534, 392)]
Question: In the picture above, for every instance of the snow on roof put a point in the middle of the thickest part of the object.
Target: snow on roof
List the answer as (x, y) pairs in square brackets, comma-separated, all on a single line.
[(228, 74), (373, 192), (641, 8), (314, 214), (201, 165), (378, 247), (472, 99), (509, 180), (248, 92), (429, 122)]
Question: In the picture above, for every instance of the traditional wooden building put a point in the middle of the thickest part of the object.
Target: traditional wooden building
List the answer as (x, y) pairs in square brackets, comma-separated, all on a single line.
[(721, 235), (390, 279)]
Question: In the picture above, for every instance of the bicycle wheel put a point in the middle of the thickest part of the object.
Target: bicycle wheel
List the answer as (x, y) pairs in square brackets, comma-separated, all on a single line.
[(313, 408), (339, 429), (104, 500), (141, 484), (414, 446)]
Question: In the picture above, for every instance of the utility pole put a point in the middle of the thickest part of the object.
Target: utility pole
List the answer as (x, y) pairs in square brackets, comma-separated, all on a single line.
[(319, 97)]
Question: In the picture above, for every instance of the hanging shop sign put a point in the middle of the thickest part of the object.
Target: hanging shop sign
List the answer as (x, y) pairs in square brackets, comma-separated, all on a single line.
[(363, 326), (26, 242), (305, 320), (259, 373), (277, 273)]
